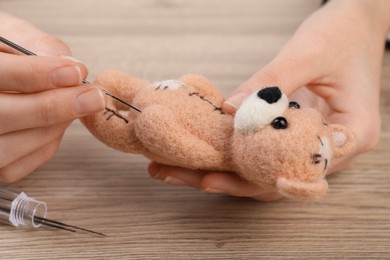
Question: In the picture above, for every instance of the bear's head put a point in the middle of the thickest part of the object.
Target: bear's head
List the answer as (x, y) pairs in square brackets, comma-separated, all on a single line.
[(280, 146)]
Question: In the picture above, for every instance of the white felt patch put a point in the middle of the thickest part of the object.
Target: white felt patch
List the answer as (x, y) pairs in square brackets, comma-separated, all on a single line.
[(324, 149), (168, 84), (254, 113)]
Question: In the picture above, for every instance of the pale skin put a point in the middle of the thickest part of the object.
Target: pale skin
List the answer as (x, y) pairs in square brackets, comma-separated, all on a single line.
[(39, 97), (333, 63)]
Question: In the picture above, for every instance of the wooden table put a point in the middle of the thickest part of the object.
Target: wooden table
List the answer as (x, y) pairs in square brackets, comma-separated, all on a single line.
[(89, 185)]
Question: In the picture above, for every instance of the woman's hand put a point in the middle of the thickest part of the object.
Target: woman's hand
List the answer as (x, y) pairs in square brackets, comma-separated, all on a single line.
[(39, 97), (332, 63)]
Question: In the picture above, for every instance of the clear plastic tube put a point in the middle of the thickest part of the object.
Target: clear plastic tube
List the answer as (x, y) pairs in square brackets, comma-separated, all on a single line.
[(18, 209)]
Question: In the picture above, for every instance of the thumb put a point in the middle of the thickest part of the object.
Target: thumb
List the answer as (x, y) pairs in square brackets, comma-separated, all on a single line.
[(30, 37), (48, 45), (285, 71)]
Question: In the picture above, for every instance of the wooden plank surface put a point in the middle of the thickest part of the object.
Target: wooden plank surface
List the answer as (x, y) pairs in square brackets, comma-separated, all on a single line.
[(89, 185)]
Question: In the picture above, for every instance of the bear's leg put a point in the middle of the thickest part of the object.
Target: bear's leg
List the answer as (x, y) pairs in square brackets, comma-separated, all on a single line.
[(112, 126), (120, 85)]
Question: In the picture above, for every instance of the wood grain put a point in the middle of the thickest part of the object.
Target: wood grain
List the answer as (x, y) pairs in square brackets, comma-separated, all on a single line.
[(89, 185)]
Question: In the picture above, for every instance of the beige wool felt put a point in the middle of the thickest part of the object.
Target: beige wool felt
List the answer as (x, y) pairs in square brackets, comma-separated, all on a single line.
[(270, 142)]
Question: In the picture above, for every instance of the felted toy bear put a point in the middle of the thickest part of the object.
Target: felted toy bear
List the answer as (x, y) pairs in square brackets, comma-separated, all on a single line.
[(270, 141)]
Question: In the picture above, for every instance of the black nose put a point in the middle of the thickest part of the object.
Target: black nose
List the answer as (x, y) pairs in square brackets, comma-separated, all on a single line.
[(270, 94)]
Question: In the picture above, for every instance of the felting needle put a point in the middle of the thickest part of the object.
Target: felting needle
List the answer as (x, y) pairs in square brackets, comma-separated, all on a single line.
[(60, 225), (30, 53)]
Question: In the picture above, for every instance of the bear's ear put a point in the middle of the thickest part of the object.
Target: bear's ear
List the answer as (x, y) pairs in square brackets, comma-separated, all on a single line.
[(344, 141), (302, 190)]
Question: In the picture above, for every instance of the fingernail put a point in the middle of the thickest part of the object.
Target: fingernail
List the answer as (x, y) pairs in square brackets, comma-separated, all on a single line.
[(66, 76), (154, 170), (236, 100), (174, 181), (90, 101), (70, 58), (214, 190)]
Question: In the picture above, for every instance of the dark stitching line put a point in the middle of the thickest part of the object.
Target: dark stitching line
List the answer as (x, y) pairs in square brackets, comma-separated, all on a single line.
[(208, 101), (194, 93), (319, 138), (105, 112), (114, 113), (326, 164)]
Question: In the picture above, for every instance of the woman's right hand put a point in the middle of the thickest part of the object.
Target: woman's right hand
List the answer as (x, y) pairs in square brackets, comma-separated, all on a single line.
[(39, 97)]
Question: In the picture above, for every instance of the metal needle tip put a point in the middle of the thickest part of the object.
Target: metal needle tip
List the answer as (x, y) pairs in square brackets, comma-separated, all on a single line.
[(63, 226)]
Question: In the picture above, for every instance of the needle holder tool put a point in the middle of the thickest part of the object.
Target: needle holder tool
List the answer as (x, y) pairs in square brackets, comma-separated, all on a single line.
[(21, 211)]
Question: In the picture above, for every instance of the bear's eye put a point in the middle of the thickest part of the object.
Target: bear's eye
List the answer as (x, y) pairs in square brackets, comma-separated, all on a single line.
[(294, 104), (279, 123)]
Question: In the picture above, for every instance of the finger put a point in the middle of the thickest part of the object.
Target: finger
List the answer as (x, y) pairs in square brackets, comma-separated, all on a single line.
[(37, 42), (84, 69), (47, 45), (292, 68), (227, 183), (24, 111), (17, 144), (24, 166), (232, 184), (353, 119), (341, 164), (175, 175), (30, 37), (281, 72), (307, 98), (31, 74)]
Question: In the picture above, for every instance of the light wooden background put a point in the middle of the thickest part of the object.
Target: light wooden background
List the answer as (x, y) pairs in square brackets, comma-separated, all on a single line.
[(89, 185)]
